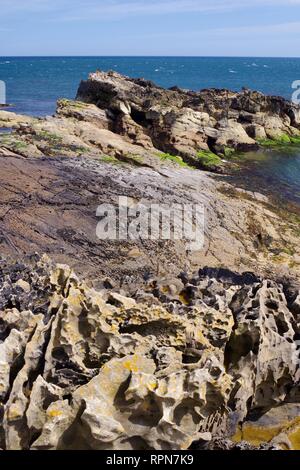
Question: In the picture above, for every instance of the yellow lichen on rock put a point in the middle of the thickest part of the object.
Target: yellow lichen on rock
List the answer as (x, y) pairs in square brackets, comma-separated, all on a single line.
[(103, 371), (280, 426)]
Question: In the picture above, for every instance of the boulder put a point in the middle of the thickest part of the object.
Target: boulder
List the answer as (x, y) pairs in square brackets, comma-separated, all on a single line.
[(233, 135)]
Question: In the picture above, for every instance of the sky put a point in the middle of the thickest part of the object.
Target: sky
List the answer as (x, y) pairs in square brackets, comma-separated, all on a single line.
[(268, 28)]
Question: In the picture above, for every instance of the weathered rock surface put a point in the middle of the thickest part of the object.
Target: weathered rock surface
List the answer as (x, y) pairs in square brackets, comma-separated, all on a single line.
[(136, 357), (281, 425), (135, 119), (49, 205), (9, 119), (87, 369), (184, 122), (77, 129)]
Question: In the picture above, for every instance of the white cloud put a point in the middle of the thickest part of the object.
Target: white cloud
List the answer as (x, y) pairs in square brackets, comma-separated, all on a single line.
[(114, 9), (292, 27), (232, 32), (77, 10)]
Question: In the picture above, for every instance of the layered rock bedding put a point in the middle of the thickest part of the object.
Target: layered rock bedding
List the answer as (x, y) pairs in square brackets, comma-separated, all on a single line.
[(49, 205)]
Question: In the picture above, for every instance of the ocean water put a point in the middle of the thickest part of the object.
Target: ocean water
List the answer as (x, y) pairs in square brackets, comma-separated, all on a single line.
[(274, 173), (35, 83)]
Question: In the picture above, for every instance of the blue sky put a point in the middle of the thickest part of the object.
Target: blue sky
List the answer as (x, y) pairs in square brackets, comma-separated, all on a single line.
[(150, 27)]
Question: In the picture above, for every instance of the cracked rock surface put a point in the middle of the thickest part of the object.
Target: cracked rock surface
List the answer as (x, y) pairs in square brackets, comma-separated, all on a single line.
[(169, 365)]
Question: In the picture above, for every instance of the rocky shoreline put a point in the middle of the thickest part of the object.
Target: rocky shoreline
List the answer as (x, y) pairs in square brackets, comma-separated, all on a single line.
[(137, 121), (146, 347)]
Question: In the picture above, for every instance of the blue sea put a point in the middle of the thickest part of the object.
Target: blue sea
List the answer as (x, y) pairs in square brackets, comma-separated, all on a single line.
[(35, 83), (274, 173)]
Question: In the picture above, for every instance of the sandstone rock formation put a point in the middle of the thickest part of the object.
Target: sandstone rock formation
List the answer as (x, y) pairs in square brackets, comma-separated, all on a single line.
[(168, 368), (133, 119), (184, 122), (9, 119)]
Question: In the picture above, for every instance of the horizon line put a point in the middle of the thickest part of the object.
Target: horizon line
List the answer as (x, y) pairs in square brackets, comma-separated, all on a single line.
[(154, 56)]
